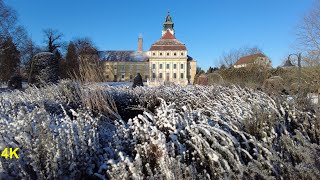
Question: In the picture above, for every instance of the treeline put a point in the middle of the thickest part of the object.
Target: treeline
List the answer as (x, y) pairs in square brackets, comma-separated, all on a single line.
[(17, 50)]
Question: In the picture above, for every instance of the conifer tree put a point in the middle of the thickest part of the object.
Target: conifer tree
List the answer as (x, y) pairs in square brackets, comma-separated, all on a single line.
[(72, 64), (9, 59)]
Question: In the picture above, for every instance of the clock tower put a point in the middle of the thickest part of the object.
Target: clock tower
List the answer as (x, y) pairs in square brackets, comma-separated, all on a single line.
[(168, 25)]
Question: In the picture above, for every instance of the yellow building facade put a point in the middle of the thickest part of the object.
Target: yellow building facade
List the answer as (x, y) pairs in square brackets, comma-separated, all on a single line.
[(167, 61)]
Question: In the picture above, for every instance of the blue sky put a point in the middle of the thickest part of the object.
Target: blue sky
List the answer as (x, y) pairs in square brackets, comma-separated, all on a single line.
[(207, 27)]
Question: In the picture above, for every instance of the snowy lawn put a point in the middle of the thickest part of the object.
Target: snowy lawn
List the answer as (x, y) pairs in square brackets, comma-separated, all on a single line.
[(69, 131), (118, 83)]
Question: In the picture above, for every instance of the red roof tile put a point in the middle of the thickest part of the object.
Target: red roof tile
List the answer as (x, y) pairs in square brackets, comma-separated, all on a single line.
[(170, 48), (168, 42), (168, 35), (249, 59)]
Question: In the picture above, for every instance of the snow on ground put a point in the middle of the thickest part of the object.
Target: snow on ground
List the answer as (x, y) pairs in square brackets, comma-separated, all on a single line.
[(313, 97), (4, 87), (193, 132), (118, 83)]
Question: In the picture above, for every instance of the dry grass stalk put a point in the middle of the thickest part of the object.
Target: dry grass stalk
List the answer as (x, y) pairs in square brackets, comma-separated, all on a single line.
[(89, 70), (98, 99)]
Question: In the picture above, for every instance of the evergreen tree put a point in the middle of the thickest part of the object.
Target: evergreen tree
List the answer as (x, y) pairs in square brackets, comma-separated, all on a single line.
[(137, 81), (223, 66), (9, 59), (210, 70), (72, 63), (199, 70), (58, 64)]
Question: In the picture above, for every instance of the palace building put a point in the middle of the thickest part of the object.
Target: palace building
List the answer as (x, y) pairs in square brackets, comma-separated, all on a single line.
[(166, 61)]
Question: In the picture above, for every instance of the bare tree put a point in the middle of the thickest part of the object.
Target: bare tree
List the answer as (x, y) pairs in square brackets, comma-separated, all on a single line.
[(308, 35), (52, 39), (9, 27), (229, 58), (90, 70), (8, 19), (13, 38)]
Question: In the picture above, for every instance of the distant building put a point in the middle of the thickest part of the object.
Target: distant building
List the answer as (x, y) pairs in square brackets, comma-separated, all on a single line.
[(166, 61), (259, 59)]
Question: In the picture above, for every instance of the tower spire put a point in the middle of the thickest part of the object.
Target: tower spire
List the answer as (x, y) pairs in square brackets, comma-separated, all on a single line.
[(168, 24)]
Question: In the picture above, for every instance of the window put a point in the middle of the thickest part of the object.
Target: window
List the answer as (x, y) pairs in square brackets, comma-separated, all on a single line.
[(131, 76), (160, 54), (175, 75), (115, 68), (122, 76), (181, 75), (167, 54), (107, 76), (115, 77), (174, 54), (181, 66), (145, 76), (153, 66), (122, 67), (182, 54), (160, 75), (153, 75), (153, 54), (160, 66), (174, 66), (168, 66)]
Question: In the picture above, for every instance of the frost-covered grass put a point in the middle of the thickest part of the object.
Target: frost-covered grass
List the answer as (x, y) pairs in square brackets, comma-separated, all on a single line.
[(167, 132)]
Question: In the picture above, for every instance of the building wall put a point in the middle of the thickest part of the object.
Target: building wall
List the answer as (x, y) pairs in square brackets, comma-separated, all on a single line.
[(263, 61), (193, 70), (125, 71), (178, 67), (169, 66)]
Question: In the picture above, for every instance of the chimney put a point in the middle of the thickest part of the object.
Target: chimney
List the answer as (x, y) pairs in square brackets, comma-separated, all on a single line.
[(140, 41)]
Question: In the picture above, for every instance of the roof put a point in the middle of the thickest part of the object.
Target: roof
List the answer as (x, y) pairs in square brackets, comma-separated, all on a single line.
[(133, 56), (168, 42), (189, 58), (288, 63), (249, 59)]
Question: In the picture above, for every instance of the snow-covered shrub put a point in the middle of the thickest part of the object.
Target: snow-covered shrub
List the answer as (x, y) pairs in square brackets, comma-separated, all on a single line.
[(199, 133), (54, 141), (193, 132), (44, 69)]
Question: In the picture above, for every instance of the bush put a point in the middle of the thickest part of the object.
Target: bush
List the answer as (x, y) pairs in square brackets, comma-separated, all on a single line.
[(15, 82), (252, 76), (273, 85), (137, 81), (44, 69), (193, 132), (202, 79), (215, 78)]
